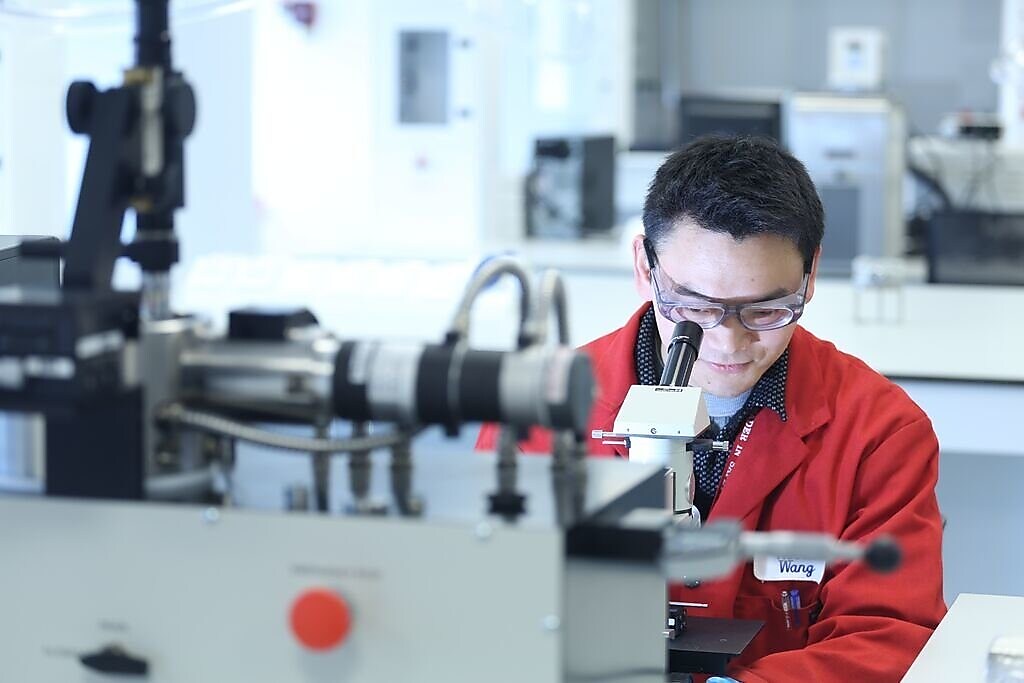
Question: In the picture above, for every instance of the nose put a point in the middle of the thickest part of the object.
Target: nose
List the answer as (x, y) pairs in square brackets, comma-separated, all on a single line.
[(730, 339)]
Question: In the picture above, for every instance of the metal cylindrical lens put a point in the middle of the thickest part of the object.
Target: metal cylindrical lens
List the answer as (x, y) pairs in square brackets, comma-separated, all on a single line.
[(548, 387), (451, 385), (377, 381), (290, 380)]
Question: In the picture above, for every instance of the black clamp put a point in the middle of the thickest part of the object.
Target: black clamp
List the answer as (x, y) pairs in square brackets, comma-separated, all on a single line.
[(675, 622), (508, 504), (113, 659)]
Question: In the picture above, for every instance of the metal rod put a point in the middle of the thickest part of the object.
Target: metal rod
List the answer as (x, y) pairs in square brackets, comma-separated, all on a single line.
[(153, 37)]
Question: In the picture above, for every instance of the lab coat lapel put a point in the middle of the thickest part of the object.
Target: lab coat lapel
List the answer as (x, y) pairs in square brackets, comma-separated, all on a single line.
[(771, 455), (776, 448)]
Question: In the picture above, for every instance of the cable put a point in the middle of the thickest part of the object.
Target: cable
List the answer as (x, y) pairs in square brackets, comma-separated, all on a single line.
[(168, 486), (975, 177), (220, 425), (552, 293), (933, 187), (937, 172), (485, 274)]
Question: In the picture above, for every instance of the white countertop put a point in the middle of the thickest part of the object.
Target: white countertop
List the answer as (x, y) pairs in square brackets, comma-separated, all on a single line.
[(925, 331), (958, 650)]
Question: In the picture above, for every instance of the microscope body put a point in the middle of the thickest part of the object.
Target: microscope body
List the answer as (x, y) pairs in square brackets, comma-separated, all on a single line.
[(658, 425)]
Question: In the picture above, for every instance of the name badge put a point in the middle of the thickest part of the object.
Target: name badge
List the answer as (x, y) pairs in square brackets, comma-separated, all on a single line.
[(768, 568)]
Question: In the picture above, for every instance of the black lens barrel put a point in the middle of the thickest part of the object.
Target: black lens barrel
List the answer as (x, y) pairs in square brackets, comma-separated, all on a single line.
[(682, 353)]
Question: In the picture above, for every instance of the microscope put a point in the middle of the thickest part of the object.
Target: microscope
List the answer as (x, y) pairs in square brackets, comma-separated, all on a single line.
[(662, 424)]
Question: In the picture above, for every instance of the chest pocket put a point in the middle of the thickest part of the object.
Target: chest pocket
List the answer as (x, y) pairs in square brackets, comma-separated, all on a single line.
[(784, 629)]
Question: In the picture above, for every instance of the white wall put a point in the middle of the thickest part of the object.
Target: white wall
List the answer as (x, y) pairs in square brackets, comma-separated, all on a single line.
[(336, 174), (43, 160), (937, 59), (312, 117), (32, 141)]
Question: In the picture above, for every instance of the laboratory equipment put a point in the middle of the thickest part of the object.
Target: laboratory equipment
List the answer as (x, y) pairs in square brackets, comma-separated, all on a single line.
[(730, 113), (538, 569), (570, 192), (853, 148)]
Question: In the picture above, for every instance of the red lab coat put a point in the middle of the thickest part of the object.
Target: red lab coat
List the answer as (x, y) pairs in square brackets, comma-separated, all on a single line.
[(856, 459)]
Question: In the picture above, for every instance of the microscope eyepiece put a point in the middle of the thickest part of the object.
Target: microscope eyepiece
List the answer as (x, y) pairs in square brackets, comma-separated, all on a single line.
[(683, 348)]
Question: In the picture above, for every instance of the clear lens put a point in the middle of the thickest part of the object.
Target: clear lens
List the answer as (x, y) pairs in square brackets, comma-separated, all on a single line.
[(767, 315), (705, 316), (765, 318)]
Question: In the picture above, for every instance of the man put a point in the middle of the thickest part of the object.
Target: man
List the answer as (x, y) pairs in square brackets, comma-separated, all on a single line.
[(820, 442)]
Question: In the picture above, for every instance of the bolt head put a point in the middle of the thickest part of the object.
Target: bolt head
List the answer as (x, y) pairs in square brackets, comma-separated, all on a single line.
[(483, 531)]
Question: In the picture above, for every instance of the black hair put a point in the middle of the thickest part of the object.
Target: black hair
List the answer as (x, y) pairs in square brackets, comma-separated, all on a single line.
[(742, 186)]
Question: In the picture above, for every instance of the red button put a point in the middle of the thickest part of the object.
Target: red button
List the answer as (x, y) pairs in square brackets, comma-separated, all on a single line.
[(320, 619)]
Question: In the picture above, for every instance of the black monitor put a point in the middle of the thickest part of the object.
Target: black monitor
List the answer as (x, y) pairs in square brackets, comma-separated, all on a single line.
[(711, 114), (968, 247)]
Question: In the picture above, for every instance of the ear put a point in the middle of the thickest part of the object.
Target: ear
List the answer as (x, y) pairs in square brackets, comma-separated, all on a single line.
[(814, 275), (641, 270)]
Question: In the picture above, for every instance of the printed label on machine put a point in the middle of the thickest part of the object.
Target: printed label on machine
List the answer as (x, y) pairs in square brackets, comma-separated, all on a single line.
[(769, 568)]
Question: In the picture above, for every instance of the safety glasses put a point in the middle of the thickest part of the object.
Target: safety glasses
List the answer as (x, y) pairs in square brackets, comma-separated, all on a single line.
[(757, 316)]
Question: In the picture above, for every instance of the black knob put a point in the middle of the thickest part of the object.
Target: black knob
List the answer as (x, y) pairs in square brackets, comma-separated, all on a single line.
[(180, 108), (81, 95), (114, 660), (267, 323), (45, 248), (883, 555), (676, 621)]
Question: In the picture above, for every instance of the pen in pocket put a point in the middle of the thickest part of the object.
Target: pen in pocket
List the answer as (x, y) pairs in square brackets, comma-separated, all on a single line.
[(786, 609), (794, 602)]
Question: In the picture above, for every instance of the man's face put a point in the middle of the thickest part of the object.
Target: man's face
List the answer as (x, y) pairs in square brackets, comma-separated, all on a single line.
[(713, 265)]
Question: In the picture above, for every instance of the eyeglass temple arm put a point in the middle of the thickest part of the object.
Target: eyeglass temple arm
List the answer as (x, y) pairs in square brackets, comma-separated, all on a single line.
[(652, 259)]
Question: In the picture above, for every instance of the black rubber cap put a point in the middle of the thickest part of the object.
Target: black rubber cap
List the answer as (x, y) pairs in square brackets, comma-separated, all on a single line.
[(508, 504), (883, 555), (267, 323)]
